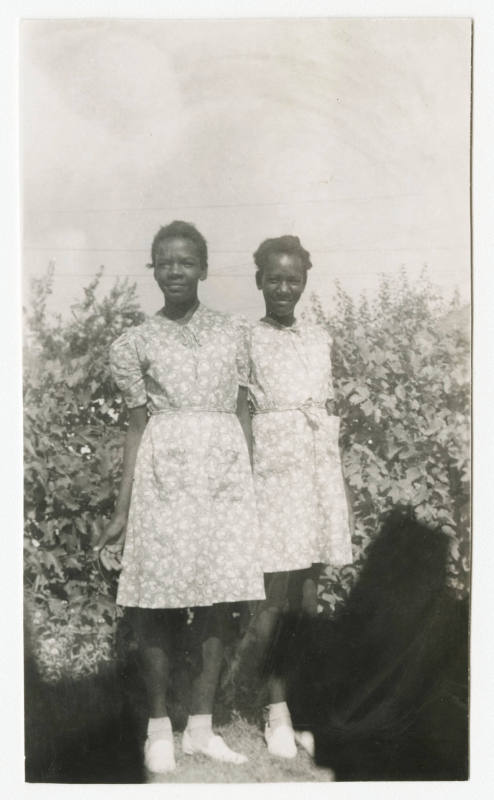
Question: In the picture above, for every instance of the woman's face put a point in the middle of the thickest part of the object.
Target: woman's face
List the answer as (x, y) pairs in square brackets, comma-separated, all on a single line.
[(177, 270), (282, 282)]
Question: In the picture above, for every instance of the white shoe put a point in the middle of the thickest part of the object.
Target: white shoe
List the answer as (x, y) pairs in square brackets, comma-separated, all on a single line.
[(281, 741), (159, 755), (216, 748), (306, 740)]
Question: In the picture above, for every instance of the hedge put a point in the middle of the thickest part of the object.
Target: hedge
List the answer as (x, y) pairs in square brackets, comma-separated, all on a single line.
[(402, 374)]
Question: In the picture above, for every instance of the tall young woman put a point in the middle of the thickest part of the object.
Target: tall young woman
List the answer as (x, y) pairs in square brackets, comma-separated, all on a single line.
[(304, 512), (186, 504)]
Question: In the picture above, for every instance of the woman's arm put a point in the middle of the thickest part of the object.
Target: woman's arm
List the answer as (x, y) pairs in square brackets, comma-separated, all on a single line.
[(116, 527), (349, 500), (244, 417)]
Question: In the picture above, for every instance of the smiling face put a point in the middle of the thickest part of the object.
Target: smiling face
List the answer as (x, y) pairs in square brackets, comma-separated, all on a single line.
[(282, 282), (177, 270)]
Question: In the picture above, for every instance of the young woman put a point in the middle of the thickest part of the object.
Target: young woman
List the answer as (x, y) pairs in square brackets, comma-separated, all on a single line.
[(186, 503), (304, 514)]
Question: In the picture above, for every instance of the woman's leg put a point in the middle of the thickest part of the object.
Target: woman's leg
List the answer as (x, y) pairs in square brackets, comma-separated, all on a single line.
[(278, 732), (212, 628), (298, 590), (303, 599), (302, 589), (155, 629), (156, 670), (270, 609)]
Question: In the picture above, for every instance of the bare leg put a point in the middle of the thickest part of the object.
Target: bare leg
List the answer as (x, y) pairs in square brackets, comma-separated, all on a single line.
[(278, 732), (212, 625), (156, 670), (277, 690), (277, 589), (302, 590), (154, 629), (204, 685), (299, 591), (268, 615), (309, 597)]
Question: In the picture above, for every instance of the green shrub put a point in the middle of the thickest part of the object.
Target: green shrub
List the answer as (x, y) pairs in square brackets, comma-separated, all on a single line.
[(74, 425), (402, 377)]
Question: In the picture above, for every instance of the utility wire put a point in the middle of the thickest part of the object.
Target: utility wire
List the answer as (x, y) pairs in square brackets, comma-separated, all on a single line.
[(140, 276), (238, 252), (204, 206)]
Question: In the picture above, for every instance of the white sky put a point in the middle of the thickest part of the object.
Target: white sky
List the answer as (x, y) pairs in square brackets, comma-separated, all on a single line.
[(353, 134)]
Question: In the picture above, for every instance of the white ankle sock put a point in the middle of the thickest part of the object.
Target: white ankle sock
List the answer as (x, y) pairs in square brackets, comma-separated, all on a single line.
[(278, 714), (159, 728), (200, 727)]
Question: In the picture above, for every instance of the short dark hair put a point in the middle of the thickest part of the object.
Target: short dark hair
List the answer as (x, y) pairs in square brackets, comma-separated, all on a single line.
[(180, 230), (283, 244)]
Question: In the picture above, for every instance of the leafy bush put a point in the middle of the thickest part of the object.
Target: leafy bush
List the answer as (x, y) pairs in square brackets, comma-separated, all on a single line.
[(402, 376), (73, 438)]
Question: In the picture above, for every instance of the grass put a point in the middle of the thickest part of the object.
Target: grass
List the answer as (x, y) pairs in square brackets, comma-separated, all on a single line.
[(261, 767)]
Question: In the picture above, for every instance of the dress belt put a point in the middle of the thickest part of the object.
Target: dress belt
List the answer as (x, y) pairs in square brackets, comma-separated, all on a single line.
[(191, 410), (305, 408)]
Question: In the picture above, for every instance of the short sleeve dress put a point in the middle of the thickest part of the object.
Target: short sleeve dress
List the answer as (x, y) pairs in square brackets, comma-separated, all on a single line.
[(301, 501), (192, 534)]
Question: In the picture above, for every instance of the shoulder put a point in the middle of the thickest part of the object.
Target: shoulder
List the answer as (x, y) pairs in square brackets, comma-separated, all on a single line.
[(240, 323), (260, 331), (222, 319), (213, 315), (261, 326), (131, 337), (315, 331)]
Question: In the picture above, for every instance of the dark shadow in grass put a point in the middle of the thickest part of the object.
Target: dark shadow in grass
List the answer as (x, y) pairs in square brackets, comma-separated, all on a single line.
[(91, 729), (83, 730), (384, 686)]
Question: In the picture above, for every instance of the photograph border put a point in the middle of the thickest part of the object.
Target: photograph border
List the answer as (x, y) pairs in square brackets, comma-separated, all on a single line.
[(482, 763)]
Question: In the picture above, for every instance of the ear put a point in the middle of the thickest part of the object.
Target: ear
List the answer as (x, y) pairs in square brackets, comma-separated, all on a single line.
[(204, 273), (259, 279)]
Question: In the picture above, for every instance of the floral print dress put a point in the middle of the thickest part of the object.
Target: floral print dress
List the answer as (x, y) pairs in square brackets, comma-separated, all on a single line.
[(192, 533), (301, 499)]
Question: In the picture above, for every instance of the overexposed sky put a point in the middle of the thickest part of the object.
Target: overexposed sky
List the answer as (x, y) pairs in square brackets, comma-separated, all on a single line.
[(353, 134)]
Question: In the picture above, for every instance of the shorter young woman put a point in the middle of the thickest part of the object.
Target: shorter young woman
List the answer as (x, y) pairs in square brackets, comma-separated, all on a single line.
[(186, 503), (304, 513)]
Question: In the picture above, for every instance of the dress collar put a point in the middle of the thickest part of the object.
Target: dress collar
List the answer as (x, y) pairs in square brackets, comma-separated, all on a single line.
[(272, 323), (191, 315)]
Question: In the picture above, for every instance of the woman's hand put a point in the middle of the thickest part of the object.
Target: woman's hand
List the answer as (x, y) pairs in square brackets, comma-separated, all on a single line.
[(114, 532), (331, 407)]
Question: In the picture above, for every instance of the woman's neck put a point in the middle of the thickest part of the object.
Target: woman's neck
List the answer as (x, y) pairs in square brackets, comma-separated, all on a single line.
[(284, 322), (179, 311)]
